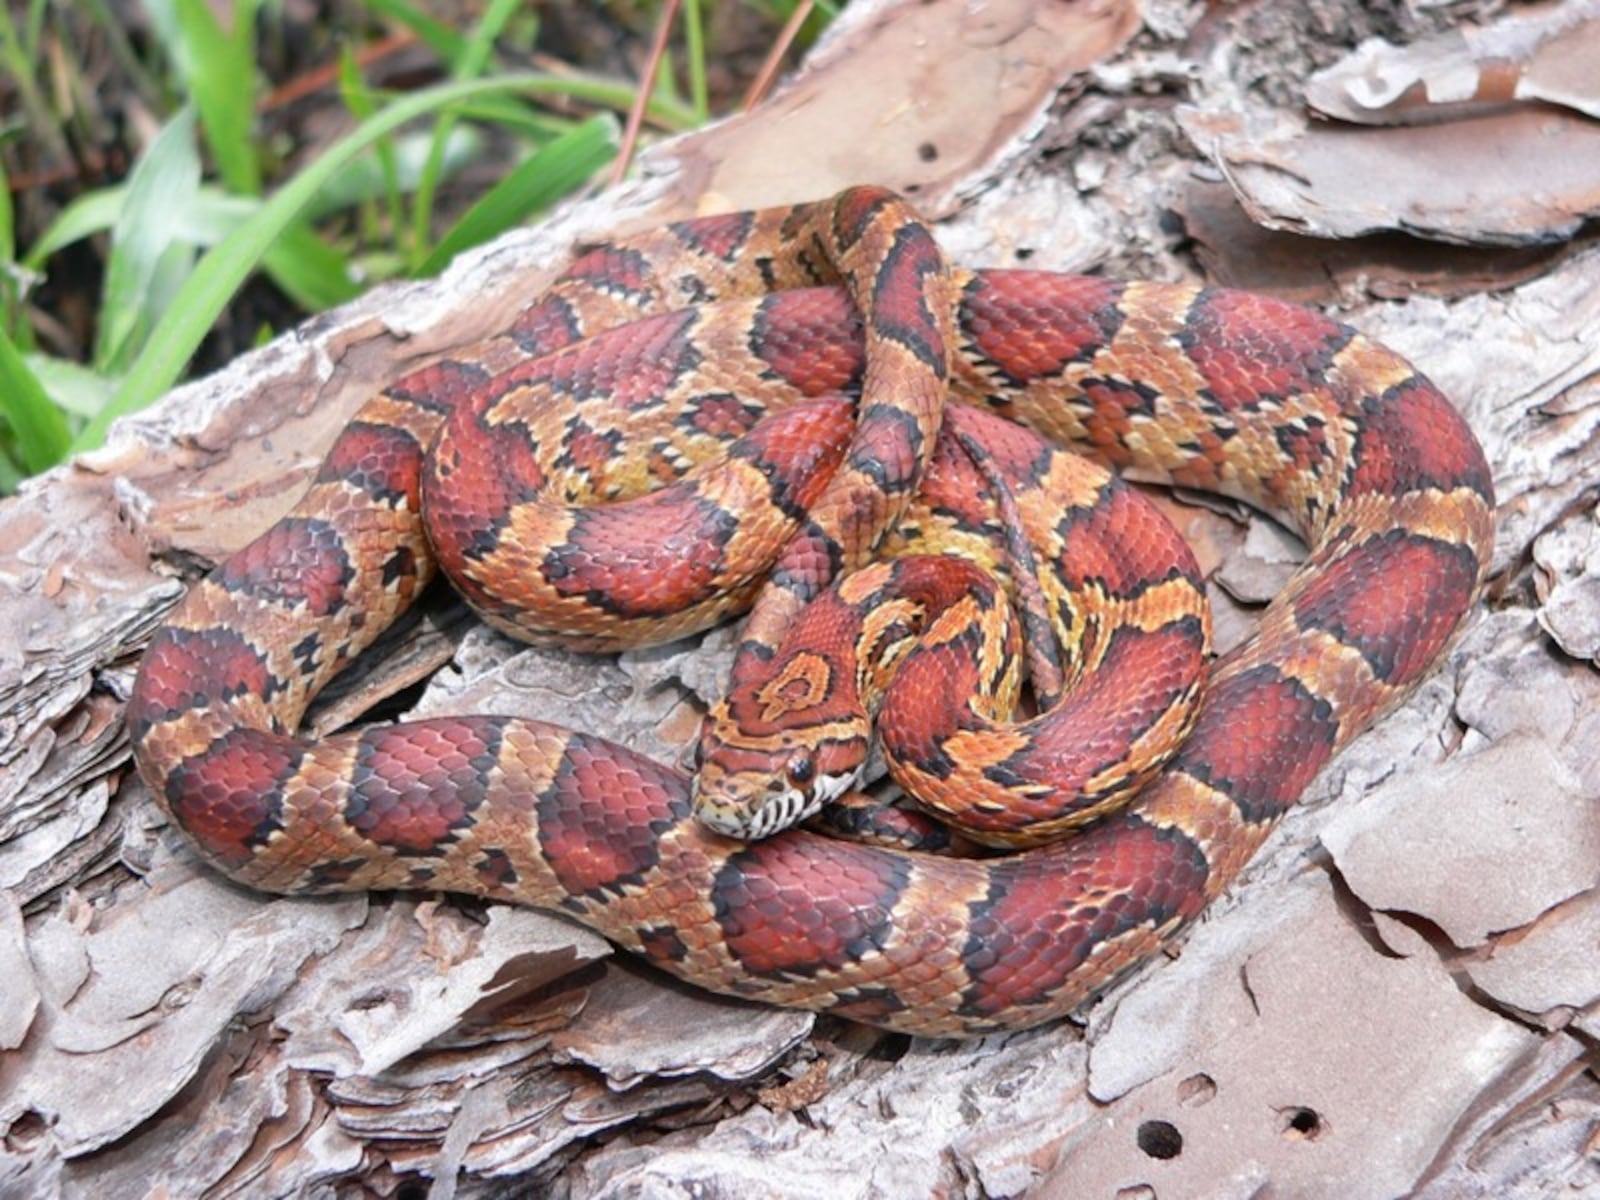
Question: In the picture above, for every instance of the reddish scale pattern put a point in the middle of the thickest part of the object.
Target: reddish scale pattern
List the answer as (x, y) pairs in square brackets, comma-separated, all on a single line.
[(439, 387), (1113, 403), (1250, 348), (1411, 438), (1306, 445), (417, 786), (1116, 545), (720, 236), (860, 818), (382, 461), (926, 703), (811, 339), (632, 366), (614, 270), (230, 799), (1261, 739), (189, 669), (721, 415), (662, 945), (953, 486), (300, 560), (495, 869), (587, 451), (1016, 451), (601, 818), (1030, 325), (889, 452), (900, 296), (810, 560), (476, 474), (1140, 678), (855, 210), (1042, 915), (799, 449), (648, 558), (1391, 598), (788, 907), (546, 325)]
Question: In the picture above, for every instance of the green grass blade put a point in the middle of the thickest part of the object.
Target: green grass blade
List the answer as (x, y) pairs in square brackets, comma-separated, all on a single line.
[(694, 41), (312, 273), (365, 179), (221, 271), (220, 70), (149, 243), (469, 64), (72, 387), (517, 117), (534, 184), (12, 281), (474, 55), (8, 228), (358, 98), (91, 213), (38, 428), (444, 41)]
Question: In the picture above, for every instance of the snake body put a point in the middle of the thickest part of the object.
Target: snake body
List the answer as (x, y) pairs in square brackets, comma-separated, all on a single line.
[(730, 316)]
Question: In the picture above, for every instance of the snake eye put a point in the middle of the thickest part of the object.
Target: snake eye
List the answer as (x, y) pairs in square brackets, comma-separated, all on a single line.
[(801, 770)]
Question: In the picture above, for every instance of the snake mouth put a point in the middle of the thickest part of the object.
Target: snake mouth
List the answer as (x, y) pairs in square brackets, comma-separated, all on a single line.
[(777, 809)]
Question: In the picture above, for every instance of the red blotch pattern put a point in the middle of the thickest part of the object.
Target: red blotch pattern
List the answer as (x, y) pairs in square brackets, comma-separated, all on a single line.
[(1250, 347), (793, 907), (184, 670), (1123, 543), (613, 269), (1141, 677), (1395, 598), (601, 819), (300, 560), (854, 210), (1044, 914), (1031, 325), (545, 325), (1261, 738), (811, 340), (899, 304), (1412, 438), (383, 461), (723, 415), (720, 236), (230, 798), (416, 785), (650, 557)]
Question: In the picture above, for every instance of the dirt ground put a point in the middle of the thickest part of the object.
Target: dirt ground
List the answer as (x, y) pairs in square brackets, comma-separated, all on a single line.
[(1401, 996)]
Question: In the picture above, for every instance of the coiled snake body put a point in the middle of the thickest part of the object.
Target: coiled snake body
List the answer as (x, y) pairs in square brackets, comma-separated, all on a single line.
[(1212, 389)]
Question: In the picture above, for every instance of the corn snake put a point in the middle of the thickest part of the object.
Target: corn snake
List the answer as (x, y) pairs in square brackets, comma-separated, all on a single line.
[(1276, 405)]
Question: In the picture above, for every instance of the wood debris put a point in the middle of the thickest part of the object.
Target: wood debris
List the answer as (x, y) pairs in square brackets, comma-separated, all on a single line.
[(1401, 995)]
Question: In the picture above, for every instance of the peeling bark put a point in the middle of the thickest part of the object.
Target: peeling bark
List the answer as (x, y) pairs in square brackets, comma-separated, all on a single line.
[(1401, 995)]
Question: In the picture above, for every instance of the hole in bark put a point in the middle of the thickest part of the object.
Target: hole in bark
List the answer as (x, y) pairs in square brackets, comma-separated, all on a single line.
[(1301, 1124), (24, 1132), (1196, 1090), (1160, 1139)]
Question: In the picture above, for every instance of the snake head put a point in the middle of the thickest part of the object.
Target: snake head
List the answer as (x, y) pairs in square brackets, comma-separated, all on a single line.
[(754, 780)]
